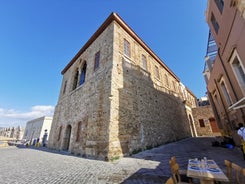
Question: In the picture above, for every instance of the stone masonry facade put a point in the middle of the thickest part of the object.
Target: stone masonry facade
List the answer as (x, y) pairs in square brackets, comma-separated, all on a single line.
[(112, 103), (205, 122)]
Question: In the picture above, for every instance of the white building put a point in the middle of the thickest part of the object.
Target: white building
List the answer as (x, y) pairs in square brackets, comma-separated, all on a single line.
[(36, 128)]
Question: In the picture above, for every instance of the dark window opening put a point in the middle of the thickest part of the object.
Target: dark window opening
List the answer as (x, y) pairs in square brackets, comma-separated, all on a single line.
[(83, 74), (215, 24), (201, 122), (97, 60), (220, 5)]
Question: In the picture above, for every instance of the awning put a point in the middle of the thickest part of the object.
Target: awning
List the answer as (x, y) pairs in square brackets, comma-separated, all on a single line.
[(238, 105)]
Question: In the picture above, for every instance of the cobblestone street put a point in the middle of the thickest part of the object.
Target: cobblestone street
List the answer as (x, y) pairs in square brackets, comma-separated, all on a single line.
[(28, 165)]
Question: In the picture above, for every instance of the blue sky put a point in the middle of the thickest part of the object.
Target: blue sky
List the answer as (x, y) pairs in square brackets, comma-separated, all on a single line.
[(38, 39)]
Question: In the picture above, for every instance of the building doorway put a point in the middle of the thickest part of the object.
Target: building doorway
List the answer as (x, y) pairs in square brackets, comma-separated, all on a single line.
[(214, 125), (67, 137)]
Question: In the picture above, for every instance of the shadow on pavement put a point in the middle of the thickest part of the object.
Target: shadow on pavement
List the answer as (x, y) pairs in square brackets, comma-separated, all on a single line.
[(183, 150), (154, 164), (45, 149)]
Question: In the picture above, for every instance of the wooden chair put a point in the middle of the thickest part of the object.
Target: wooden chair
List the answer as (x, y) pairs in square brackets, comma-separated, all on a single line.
[(228, 169), (243, 175), (237, 170), (177, 178), (170, 181), (173, 161)]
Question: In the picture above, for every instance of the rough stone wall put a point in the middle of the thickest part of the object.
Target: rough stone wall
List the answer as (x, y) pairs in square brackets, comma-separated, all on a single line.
[(205, 113), (142, 116), (87, 108), (121, 108)]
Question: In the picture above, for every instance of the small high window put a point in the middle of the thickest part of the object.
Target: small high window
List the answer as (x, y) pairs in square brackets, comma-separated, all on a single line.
[(97, 60), (214, 23), (220, 5), (126, 48), (201, 123)]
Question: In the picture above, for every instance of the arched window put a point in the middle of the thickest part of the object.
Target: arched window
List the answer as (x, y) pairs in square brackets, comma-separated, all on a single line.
[(83, 74), (75, 80)]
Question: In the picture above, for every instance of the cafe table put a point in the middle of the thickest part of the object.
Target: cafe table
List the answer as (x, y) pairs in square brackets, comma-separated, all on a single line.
[(207, 171)]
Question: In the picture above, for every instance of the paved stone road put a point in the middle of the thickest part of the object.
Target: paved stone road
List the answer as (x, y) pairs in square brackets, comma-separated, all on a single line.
[(35, 166)]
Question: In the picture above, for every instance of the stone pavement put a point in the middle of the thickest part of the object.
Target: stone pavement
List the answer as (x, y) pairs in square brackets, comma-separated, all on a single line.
[(35, 166)]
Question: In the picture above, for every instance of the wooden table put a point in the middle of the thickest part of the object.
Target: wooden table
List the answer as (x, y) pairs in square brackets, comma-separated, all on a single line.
[(207, 173)]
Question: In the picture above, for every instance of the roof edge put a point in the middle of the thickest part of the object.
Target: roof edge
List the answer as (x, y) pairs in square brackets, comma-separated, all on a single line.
[(114, 16), (90, 41)]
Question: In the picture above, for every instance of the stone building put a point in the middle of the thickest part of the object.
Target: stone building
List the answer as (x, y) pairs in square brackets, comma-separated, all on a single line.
[(35, 129), (118, 97), (225, 71), (204, 119), (12, 132)]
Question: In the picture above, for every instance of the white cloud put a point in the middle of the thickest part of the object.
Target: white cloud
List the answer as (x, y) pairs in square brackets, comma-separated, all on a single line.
[(12, 117)]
